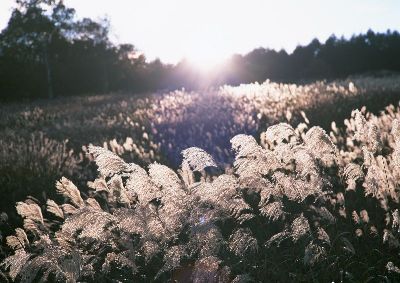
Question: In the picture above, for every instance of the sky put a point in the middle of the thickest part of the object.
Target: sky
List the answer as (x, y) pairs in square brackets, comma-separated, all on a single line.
[(209, 31)]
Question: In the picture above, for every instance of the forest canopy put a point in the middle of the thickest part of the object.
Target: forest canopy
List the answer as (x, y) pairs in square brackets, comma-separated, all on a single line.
[(47, 51)]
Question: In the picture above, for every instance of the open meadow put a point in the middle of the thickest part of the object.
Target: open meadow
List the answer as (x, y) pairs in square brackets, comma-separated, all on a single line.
[(241, 183), (200, 141)]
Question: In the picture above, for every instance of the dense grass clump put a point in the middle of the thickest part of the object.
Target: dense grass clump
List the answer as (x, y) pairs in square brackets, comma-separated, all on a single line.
[(300, 205)]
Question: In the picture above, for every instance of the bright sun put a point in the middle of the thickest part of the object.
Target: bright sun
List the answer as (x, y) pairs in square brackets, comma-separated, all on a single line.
[(205, 60), (204, 64)]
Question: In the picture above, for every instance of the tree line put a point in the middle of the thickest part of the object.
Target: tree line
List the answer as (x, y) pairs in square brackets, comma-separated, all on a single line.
[(45, 51)]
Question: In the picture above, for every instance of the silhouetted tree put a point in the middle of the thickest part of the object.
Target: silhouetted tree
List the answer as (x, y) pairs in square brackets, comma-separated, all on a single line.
[(31, 30), (45, 49)]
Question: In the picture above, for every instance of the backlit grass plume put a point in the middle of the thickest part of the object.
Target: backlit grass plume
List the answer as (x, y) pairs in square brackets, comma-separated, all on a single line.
[(298, 207)]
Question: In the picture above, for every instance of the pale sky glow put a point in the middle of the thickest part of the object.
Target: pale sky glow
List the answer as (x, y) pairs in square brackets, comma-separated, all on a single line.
[(209, 31)]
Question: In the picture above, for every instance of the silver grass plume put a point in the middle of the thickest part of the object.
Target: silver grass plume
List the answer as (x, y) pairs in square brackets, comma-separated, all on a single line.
[(142, 185), (120, 260), (361, 126), (92, 203), (299, 228), (205, 237), (379, 182), (53, 262), (396, 135), (298, 189), (352, 173), (227, 194), (392, 268), (16, 262), (19, 241), (366, 133), (278, 238), (164, 177), (173, 257), (396, 220), (364, 216), (30, 211), (54, 209), (367, 156), (245, 145), (396, 130), (374, 139), (32, 215), (208, 269), (317, 141), (273, 211), (66, 188), (304, 161), (108, 162), (87, 224), (281, 133), (242, 243), (99, 185), (69, 209), (323, 214), (150, 249), (355, 217), (258, 185), (118, 192), (250, 158), (197, 159), (391, 240)]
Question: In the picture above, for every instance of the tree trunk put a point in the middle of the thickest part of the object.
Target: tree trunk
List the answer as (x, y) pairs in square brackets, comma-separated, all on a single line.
[(50, 93), (106, 83)]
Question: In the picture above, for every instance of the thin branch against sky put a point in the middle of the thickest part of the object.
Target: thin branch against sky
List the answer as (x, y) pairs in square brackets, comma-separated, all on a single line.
[(209, 31)]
